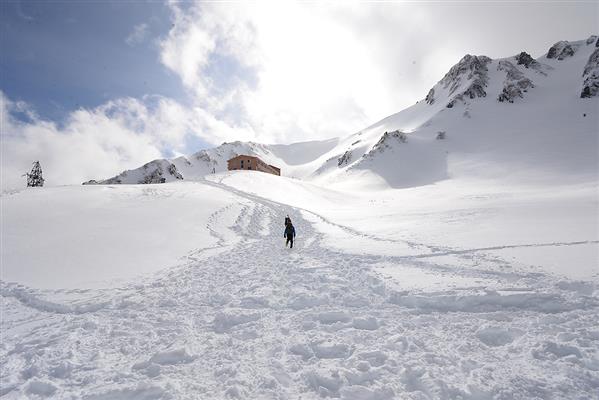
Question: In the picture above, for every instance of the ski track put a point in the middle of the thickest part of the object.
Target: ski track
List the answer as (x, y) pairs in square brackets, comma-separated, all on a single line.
[(248, 318)]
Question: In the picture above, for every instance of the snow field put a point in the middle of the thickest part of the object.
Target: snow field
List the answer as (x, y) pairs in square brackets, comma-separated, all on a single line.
[(86, 237), (469, 223), (252, 319), (479, 279)]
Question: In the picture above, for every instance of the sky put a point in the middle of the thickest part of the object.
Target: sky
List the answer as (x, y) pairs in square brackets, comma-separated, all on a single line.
[(91, 88)]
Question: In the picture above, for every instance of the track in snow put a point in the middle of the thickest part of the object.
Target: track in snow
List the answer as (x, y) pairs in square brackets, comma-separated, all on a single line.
[(252, 319)]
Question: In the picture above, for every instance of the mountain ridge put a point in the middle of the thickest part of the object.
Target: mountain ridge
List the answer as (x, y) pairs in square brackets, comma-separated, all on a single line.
[(475, 86)]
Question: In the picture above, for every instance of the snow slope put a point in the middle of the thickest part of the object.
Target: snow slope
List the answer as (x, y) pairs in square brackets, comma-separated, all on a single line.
[(545, 131), (540, 228), (294, 160), (516, 116), (348, 313), (71, 237), (456, 268)]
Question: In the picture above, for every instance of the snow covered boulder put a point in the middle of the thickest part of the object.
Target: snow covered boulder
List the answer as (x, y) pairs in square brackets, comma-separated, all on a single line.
[(552, 351), (495, 336), (325, 383), (172, 357), (40, 388), (225, 321)]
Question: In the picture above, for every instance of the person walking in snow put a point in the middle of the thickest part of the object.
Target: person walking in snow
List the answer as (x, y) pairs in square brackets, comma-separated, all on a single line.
[(289, 234)]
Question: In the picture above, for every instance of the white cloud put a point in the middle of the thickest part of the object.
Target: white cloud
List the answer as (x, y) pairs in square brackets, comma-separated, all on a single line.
[(276, 72), (138, 35), (300, 71), (95, 143)]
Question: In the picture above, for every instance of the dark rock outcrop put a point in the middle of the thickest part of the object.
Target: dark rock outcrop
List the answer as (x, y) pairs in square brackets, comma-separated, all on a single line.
[(515, 83), (562, 50), (430, 97), (590, 75), (386, 140), (525, 59), (155, 171), (344, 159), (468, 68), (470, 75)]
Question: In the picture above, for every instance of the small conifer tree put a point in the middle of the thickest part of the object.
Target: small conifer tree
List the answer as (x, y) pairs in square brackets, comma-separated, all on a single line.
[(34, 178)]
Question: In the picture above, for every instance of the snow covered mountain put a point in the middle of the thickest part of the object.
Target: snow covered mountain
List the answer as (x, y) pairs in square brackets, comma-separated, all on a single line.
[(483, 117), (483, 285), (290, 158)]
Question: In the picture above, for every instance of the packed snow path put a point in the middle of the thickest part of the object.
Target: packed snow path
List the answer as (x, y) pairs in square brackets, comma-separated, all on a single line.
[(253, 319)]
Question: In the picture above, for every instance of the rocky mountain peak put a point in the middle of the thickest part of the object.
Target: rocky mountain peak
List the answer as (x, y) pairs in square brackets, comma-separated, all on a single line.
[(466, 79), (590, 75), (562, 50), (157, 171), (525, 59), (515, 82), (593, 39), (468, 68)]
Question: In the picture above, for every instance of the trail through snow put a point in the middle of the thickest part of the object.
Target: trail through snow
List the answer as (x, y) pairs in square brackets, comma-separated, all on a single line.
[(249, 318)]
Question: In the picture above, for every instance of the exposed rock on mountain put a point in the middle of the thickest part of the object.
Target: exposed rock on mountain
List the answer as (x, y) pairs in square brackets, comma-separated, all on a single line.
[(157, 171), (590, 85), (475, 85), (468, 68), (528, 62), (562, 50), (386, 142), (344, 159), (515, 82), (525, 59), (470, 76), (193, 167), (430, 97)]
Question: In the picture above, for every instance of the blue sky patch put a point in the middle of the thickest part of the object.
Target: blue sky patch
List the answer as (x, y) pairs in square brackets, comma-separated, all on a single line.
[(60, 56)]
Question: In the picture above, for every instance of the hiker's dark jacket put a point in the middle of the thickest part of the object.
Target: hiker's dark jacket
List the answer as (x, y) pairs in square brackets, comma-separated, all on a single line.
[(289, 232)]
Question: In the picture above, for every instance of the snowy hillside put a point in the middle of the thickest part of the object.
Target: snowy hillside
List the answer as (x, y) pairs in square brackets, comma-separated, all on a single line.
[(482, 117), (185, 289), (449, 251), (485, 119), (290, 158)]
